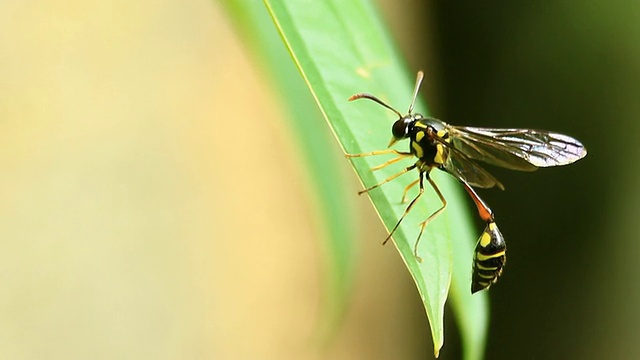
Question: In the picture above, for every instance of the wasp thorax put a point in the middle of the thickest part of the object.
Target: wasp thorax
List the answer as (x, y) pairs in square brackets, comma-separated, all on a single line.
[(402, 127)]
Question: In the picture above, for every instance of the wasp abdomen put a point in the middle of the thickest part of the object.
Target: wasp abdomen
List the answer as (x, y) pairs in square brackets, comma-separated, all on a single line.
[(489, 258)]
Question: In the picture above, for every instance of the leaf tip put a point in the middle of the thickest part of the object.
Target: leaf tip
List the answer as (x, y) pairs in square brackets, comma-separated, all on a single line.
[(436, 348)]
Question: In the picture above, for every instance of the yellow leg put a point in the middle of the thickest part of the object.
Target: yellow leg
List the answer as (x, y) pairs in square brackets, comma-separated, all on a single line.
[(401, 155), (394, 160), (431, 217), (387, 179), (406, 211), (379, 152), (406, 191)]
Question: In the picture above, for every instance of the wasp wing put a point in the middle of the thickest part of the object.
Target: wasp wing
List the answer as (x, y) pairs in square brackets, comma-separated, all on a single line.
[(463, 168), (516, 149)]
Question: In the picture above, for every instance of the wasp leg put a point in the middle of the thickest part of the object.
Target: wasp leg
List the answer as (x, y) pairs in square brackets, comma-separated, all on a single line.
[(379, 152), (406, 190), (406, 170), (394, 160), (431, 217), (490, 253), (406, 211)]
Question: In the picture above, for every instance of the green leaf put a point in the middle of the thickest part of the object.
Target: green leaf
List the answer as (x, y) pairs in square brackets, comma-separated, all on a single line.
[(340, 48)]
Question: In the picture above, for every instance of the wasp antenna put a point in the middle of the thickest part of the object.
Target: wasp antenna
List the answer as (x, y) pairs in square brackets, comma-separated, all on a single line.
[(415, 91), (373, 98)]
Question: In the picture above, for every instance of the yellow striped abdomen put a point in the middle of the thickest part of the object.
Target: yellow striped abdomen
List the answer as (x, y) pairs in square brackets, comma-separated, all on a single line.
[(489, 258)]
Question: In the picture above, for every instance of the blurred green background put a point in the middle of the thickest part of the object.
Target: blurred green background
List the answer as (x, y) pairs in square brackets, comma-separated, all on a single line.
[(571, 282), (154, 204)]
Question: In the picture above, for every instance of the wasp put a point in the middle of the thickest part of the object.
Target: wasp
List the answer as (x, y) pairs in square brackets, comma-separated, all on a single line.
[(457, 150)]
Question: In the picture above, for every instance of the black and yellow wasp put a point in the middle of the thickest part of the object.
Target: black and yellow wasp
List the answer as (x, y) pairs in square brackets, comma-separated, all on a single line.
[(455, 150)]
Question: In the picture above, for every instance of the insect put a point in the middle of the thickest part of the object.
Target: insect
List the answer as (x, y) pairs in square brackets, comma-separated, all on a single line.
[(456, 150)]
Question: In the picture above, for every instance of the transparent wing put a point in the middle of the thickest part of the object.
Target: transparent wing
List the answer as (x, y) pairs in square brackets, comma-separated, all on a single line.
[(516, 149), (465, 169)]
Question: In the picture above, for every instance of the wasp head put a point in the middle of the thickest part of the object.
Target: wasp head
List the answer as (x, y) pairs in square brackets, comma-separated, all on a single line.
[(403, 127)]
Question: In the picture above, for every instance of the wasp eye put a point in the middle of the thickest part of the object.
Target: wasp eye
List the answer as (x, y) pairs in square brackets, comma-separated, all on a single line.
[(400, 128)]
